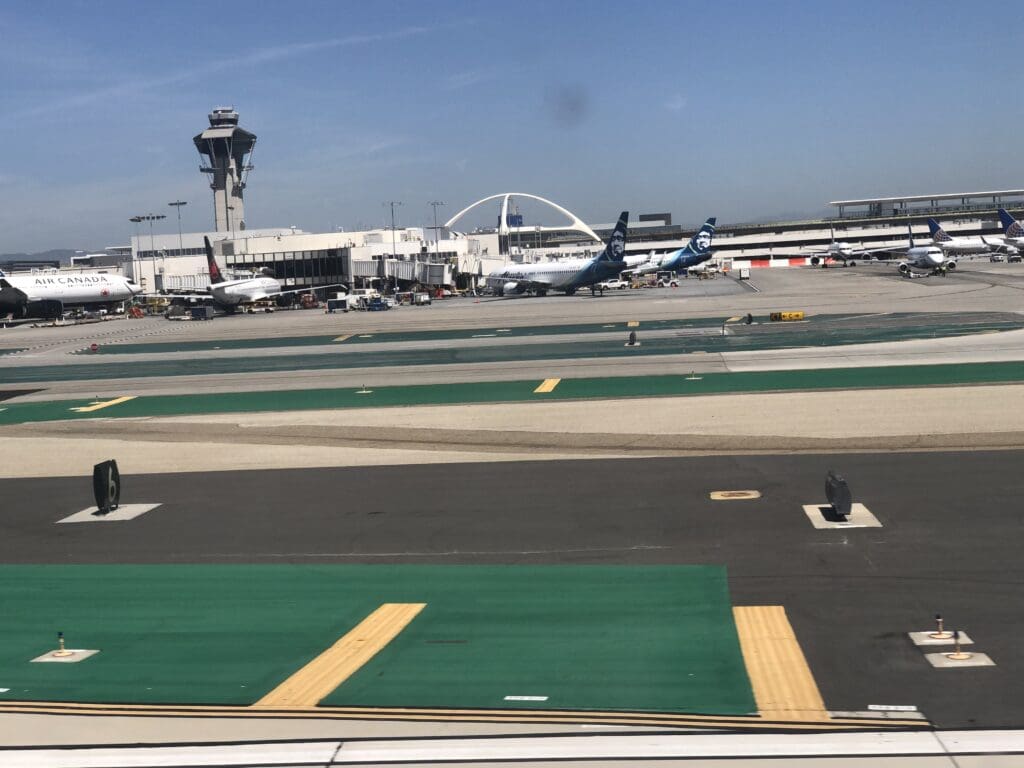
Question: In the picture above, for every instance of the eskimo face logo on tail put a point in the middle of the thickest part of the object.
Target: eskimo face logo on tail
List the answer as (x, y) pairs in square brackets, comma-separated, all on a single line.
[(703, 240)]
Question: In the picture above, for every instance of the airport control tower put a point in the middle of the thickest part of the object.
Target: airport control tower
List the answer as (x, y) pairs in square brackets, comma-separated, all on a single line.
[(227, 149)]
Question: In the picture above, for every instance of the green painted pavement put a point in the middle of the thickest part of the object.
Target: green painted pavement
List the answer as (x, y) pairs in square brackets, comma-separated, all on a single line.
[(741, 338), (387, 337), (588, 637), (522, 391)]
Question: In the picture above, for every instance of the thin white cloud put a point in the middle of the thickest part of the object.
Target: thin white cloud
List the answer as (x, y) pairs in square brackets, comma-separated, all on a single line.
[(676, 103), (257, 57)]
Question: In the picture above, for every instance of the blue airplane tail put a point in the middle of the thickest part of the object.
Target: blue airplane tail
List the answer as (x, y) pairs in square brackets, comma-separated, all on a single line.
[(1011, 227), (615, 248), (700, 243), (938, 233)]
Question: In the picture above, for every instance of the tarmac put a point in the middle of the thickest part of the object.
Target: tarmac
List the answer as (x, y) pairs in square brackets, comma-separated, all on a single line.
[(606, 481)]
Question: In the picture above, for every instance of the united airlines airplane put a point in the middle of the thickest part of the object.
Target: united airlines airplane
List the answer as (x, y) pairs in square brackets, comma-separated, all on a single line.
[(47, 294), (566, 276), (950, 244)]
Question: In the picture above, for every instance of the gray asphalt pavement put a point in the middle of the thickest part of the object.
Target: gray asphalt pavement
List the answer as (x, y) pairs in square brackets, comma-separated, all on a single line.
[(949, 544)]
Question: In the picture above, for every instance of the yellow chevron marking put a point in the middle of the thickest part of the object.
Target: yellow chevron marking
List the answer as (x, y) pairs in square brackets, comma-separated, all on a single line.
[(784, 687), (95, 406), (339, 662), (548, 385)]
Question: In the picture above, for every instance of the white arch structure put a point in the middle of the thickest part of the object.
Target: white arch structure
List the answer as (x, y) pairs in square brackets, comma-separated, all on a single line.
[(576, 223)]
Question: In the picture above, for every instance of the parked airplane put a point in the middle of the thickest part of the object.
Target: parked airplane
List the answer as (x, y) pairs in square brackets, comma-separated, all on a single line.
[(230, 294), (697, 251), (47, 294), (566, 276), (959, 245), (1012, 240), (926, 259), (837, 251)]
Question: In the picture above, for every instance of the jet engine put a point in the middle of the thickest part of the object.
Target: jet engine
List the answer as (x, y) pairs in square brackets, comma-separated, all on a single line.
[(904, 269), (950, 265), (512, 288)]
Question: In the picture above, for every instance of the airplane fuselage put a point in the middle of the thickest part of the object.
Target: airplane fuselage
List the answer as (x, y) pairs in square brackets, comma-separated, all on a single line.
[(245, 291), (23, 294), (567, 275), (963, 245)]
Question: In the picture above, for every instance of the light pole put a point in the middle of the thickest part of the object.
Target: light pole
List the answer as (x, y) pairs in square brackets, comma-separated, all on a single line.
[(231, 220), (437, 248), (135, 249), (177, 204), (394, 254), (151, 217)]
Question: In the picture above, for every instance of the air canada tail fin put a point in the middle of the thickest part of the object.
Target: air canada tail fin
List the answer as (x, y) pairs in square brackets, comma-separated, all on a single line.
[(615, 248), (938, 233), (700, 243), (215, 275), (1011, 227)]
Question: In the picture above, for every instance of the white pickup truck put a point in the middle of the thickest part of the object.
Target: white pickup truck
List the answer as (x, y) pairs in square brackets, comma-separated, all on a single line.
[(611, 285)]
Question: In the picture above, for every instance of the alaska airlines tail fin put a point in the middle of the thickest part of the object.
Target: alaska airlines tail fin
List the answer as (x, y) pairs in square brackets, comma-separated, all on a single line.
[(700, 243), (215, 275), (615, 248), (1011, 227), (938, 233)]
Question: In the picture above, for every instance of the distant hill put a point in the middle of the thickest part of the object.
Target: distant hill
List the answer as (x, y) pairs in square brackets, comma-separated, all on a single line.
[(62, 254)]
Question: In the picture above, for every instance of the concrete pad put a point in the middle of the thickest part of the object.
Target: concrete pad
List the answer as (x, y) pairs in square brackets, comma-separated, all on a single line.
[(942, 661), (122, 513), (77, 655), (859, 517), (925, 638)]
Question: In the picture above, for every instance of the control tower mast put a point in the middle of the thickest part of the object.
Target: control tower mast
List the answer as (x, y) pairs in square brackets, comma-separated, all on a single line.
[(226, 148)]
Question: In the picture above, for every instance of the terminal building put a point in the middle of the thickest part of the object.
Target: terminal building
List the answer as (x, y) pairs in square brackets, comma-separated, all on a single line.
[(456, 256)]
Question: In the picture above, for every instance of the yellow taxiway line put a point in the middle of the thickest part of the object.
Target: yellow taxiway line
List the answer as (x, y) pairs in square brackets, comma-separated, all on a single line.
[(344, 338), (784, 687), (339, 662), (548, 385), (105, 404)]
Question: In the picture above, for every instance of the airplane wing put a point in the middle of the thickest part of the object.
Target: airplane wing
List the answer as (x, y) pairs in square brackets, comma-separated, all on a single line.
[(523, 285), (308, 290), (15, 293)]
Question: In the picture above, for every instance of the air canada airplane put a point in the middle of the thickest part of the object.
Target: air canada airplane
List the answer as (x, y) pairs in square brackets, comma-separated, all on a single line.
[(230, 294), (46, 295), (566, 276), (950, 244), (697, 251)]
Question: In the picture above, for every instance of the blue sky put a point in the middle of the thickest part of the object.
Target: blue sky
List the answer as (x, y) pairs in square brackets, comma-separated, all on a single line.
[(740, 110)]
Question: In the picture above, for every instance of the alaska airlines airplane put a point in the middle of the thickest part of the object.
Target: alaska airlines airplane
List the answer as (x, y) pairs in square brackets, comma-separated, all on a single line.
[(928, 259), (697, 251), (46, 294), (950, 244), (566, 276), (837, 251)]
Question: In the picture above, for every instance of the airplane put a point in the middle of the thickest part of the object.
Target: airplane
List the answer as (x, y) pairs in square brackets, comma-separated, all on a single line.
[(958, 245), (568, 275), (230, 294), (837, 251), (697, 251), (926, 259), (45, 295), (1012, 240)]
